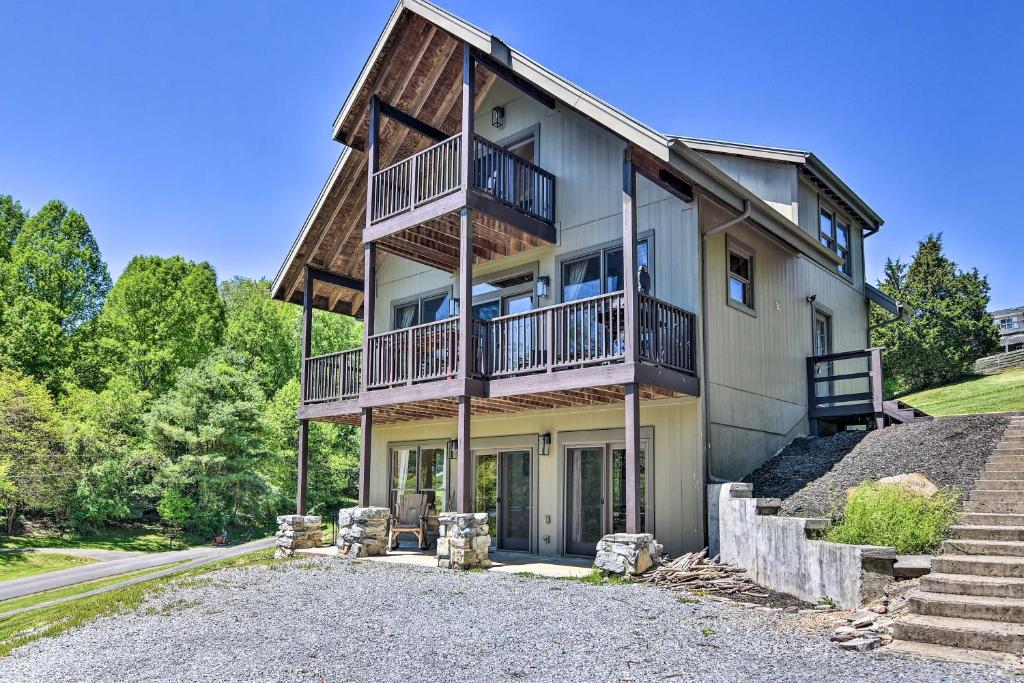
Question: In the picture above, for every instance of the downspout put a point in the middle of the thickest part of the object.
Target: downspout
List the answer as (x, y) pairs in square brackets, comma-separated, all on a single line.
[(706, 389)]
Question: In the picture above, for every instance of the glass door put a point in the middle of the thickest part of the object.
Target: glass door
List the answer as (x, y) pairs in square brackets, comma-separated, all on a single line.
[(822, 346), (485, 490), (514, 502), (585, 514), (618, 476)]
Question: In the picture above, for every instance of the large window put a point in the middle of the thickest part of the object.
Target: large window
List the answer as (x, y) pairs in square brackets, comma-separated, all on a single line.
[(426, 309), (599, 272), (741, 276), (834, 233), (503, 293), (418, 469)]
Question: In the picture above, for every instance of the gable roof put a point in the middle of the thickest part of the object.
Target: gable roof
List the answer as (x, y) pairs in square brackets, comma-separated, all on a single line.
[(349, 128)]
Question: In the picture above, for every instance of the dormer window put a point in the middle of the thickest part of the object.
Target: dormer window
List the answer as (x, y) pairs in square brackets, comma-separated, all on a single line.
[(834, 233)]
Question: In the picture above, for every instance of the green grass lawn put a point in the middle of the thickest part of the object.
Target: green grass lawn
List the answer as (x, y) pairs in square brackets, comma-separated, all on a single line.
[(984, 394), (148, 539), (15, 565), (47, 622)]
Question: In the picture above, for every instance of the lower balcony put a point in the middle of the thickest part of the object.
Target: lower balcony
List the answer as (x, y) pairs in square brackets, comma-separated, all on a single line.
[(563, 355)]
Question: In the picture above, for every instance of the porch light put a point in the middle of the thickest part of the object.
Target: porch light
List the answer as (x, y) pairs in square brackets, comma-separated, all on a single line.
[(544, 444), (543, 287), (453, 448), (498, 117)]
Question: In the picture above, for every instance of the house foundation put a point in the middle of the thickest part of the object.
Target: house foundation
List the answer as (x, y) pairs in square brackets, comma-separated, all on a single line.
[(464, 541), (363, 532), (296, 532)]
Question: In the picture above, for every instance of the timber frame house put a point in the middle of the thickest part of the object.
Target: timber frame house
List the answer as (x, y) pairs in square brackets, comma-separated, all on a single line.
[(695, 312)]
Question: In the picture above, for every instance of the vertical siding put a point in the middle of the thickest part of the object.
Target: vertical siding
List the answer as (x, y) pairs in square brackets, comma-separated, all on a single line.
[(774, 182)]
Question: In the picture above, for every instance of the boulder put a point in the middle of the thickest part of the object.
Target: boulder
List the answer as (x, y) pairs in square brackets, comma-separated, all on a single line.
[(915, 483), (627, 554)]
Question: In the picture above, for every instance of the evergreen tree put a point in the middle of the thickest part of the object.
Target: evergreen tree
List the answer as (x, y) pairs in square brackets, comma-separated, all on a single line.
[(947, 327)]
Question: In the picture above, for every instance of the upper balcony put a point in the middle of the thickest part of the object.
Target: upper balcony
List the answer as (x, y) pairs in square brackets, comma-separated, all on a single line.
[(414, 204)]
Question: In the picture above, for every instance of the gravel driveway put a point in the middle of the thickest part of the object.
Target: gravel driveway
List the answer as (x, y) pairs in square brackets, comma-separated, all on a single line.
[(323, 620)]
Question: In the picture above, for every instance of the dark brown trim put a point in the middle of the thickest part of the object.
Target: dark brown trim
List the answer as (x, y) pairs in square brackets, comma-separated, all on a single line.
[(336, 279), (507, 74), (412, 123), (302, 466), (482, 201), (632, 420), (365, 455)]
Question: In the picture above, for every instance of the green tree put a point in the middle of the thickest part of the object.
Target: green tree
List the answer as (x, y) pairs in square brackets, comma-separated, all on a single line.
[(208, 429), (947, 327), (163, 314), (12, 219), (262, 330), (40, 473)]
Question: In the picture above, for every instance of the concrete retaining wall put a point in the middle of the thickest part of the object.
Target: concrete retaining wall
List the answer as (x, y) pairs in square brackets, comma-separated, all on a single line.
[(991, 365), (777, 553)]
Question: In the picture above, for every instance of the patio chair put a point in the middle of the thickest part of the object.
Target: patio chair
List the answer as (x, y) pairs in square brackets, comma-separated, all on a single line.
[(411, 518)]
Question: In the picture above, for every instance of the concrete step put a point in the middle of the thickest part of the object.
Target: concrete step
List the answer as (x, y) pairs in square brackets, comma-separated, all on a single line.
[(996, 495), (980, 565), (1007, 610), (1014, 507), (1012, 461), (944, 653), (987, 532), (1008, 450), (990, 548), (976, 634), (990, 519), (996, 472), (989, 483), (966, 584)]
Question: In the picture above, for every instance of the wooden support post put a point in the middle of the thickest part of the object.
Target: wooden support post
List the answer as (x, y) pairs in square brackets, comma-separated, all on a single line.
[(468, 113), (466, 294), (365, 442), (632, 341), (812, 395), (372, 157), (366, 418), (307, 346), (633, 455), (303, 468), (464, 483), (877, 387)]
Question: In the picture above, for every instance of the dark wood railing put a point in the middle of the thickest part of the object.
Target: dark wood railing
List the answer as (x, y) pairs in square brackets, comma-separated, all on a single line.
[(576, 334), (333, 376), (437, 171), (845, 384), (513, 180)]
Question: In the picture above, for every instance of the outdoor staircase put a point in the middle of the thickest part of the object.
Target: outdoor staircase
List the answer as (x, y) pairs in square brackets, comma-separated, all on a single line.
[(971, 605), (900, 412)]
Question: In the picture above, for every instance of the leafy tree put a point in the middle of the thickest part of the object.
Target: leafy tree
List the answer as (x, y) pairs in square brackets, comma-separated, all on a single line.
[(163, 314), (208, 428), (262, 330), (948, 327), (12, 219), (331, 332), (36, 472)]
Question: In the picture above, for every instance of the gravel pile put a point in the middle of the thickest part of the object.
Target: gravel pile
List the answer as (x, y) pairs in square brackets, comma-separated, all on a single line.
[(323, 620), (811, 474)]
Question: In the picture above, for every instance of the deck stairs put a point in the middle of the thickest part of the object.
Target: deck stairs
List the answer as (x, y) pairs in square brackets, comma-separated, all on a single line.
[(898, 412), (971, 605)]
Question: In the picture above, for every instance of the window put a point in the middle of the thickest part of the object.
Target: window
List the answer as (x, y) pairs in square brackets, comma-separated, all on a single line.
[(741, 276), (834, 233), (418, 470), (503, 293), (426, 309), (599, 272)]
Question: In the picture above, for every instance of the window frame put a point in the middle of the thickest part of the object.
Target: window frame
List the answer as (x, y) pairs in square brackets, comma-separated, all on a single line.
[(417, 447), (601, 251), (500, 295), (419, 299), (733, 246), (836, 218)]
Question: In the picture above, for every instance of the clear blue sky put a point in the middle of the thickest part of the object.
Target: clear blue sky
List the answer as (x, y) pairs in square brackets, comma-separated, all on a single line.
[(203, 128)]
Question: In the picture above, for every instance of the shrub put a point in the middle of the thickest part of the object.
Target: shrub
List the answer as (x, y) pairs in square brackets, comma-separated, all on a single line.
[(890, 515)]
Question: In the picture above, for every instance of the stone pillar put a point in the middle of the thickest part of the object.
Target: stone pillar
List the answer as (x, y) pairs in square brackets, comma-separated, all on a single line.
[(627, 554), (297, 532), (363, 532), (463, 541)]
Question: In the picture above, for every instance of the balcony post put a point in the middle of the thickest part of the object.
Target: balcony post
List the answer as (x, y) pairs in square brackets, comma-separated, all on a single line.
[(307, 346), (372, 154), (468, 113), (632, 400), (629, 258), (366, 416)]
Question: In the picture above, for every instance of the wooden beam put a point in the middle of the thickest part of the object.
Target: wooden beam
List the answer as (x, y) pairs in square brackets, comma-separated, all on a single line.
[(464, 491), (365, 454), (629, 266), (302, 468), (335, 279), (413, 123), (632, 411), (507, 74)]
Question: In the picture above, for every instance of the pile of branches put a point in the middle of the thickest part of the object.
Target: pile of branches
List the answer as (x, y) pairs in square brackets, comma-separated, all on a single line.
[(696, 572)]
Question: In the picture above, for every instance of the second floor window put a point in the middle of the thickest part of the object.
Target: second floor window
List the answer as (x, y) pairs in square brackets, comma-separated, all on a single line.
[(834, 233), (426, 309), (741, 276), (599, 272)]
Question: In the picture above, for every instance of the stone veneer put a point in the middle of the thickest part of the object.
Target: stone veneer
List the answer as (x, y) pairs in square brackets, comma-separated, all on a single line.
[(296, 532), (363, 532), (463, 541), (627, 554)]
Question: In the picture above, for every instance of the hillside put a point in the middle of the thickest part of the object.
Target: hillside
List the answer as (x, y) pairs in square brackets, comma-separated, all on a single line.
[(985, 394)]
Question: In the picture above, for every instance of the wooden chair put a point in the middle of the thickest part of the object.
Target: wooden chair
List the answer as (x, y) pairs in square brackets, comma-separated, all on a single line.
[(411, 518)]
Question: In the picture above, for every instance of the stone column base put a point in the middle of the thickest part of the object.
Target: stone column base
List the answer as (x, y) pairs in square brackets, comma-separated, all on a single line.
[(627, 554), (363, 532), (296, 532), (463, 541)]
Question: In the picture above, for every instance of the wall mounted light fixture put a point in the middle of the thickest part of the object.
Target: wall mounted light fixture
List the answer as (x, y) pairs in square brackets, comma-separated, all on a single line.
[(498, 117), (544, 444), (543, 287)]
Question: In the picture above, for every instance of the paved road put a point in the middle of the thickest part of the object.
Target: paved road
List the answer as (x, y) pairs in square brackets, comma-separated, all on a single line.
[(91, 553), (66, 577)]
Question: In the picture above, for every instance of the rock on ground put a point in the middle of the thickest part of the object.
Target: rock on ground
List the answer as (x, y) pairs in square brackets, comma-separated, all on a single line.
[(811, 474), (325, 620)]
